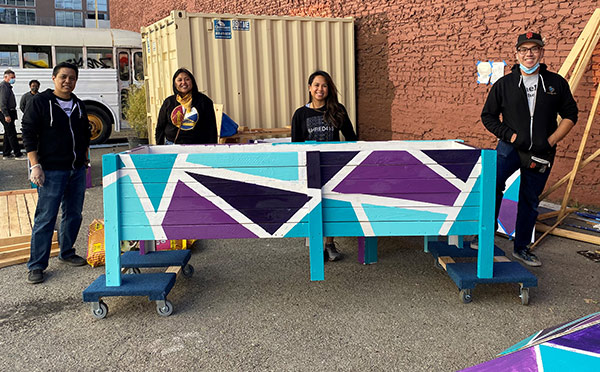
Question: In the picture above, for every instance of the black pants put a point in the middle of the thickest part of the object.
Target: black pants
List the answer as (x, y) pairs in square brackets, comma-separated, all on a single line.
[(11, 143)]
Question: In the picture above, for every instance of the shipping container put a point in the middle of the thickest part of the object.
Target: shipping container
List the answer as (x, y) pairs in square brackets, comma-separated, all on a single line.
[(256, 66)]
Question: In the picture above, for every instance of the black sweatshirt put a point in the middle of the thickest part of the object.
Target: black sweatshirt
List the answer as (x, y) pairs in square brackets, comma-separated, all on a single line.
[(508, 97), (61, 141), (309, 125), (204, 131)]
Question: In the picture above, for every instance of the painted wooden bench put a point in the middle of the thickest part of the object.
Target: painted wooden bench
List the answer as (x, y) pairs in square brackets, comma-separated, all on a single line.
[(312, 190)]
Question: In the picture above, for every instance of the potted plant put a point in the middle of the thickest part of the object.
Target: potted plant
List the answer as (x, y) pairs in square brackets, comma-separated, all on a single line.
[(137, 116)]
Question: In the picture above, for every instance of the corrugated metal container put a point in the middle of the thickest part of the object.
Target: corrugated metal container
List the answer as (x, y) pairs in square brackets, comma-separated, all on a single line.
[(256, 66)]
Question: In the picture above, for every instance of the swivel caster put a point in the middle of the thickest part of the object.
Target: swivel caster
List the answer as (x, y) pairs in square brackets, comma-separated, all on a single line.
[(187, 271), (524, 295), (99, 309), (465, 296), (164, 308)]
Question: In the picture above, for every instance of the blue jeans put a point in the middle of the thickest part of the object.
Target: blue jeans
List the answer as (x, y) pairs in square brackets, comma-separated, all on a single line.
[(65, 189), (532, 185)]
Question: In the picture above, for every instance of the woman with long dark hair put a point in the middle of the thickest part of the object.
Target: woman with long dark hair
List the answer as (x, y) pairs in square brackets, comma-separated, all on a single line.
[(322, 119), (188, 116)]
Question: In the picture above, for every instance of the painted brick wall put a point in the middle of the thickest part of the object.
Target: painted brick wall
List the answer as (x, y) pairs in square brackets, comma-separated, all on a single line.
[(416, 62)]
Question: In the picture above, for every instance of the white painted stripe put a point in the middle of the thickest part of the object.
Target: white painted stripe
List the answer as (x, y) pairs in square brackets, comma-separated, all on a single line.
[(365, 224), (572, 350), (538, 359), (109, 179)]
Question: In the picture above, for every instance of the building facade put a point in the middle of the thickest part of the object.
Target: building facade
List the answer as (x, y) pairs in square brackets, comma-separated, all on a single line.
[(416, 62), (68, 13)]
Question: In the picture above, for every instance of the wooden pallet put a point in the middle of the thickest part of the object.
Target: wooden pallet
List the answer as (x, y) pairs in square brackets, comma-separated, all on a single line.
[(17, 210)]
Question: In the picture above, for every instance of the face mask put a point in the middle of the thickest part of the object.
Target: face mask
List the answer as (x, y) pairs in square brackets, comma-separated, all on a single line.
[(529, 70), (11, 81), (34, 89)]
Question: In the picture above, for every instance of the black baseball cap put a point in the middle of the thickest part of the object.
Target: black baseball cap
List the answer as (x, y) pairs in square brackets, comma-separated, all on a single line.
[(530, 37)]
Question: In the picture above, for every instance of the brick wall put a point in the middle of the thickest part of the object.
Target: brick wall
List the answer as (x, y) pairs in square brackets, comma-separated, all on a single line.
[(416, 62)]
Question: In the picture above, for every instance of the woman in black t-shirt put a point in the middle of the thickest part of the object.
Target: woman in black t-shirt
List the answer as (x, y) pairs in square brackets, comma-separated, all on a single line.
[(322, 119)]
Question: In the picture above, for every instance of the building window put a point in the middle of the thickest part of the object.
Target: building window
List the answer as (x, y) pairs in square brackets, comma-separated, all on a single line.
[(69, 19), (37, 57), (103, 16), (67, 4), (30, 3), (9, 56), (17, 16), (102, 5), (72, 55)]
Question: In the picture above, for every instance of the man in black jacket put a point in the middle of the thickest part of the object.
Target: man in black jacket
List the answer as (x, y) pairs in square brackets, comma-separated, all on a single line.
[(8, 115), (529, 100), (56, 134)]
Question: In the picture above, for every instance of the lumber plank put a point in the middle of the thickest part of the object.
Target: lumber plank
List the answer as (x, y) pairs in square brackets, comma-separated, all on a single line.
[(23, 215), (583, 38), (25, 257), (501, 259), (18, 192), (545, 216), (444, 260), (559, 183), (582, 144), (582, 63), (4, 230), (13, 221), (173, 269), (7, 248), (569, 234), (31, 205)]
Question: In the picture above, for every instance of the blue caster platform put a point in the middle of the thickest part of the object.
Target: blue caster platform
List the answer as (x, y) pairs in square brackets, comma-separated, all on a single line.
[(154, 285), (135, 260), (464, 274)]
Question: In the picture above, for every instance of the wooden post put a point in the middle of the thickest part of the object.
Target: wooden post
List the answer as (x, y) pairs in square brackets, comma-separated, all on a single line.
[(558, 184)]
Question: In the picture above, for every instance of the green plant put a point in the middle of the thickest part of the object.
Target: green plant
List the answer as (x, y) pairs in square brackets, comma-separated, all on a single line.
[(135, 111)]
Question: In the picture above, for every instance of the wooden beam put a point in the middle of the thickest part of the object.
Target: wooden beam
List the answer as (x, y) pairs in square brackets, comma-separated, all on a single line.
[(558, 184), (18, 192), (545, 216), (587, 33), (537, 242), (593, 239), (582, 144), (582, 63), (444, 260), (25, 257)]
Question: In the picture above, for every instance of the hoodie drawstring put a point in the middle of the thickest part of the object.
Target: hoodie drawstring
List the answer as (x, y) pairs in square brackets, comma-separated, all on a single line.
[(51, 117)]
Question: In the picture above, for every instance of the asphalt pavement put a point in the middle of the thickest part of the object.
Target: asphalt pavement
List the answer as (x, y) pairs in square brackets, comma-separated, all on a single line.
[(251, 306)]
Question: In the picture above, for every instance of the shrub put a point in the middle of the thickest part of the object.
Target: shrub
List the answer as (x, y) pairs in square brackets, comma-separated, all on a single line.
[(135, 111)]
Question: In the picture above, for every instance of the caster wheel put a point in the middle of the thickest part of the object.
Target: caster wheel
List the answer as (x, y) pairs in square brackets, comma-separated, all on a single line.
[(187, 271), (165, 308), (524, 295), (465, 296), (101, 311)]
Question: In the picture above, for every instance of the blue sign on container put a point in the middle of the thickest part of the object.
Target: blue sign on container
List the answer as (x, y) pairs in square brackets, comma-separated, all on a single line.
[(222, 29), (238, 25)]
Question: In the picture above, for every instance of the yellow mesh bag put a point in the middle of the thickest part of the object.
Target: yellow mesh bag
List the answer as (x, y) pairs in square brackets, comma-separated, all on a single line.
[(95, 253)]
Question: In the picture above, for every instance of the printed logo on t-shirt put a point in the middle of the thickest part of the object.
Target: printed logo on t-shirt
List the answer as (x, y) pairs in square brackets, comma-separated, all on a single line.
[(318, 129)]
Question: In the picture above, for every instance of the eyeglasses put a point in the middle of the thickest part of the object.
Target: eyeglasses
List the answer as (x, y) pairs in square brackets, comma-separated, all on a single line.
[(534, 50)]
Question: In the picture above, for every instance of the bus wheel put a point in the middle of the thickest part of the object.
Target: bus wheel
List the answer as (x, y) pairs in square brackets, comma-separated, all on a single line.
[(100, 124)]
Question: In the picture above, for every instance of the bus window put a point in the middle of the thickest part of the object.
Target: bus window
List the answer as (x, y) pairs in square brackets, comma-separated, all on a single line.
[(138, 66), (100, 58), (70, 55), (9, 55), (37, 56), (124, 66)]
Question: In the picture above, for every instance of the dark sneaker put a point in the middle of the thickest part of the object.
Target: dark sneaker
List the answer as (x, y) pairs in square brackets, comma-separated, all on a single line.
[(35, 276), (527, 257), (20, 157), (474, 242), (9, 156), (331, 253), (74, 260)]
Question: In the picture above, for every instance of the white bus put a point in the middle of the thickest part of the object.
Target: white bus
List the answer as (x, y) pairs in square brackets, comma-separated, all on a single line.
[(109, 60)]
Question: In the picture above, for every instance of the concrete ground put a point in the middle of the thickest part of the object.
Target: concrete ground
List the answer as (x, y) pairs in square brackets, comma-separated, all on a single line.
[(251, 306)]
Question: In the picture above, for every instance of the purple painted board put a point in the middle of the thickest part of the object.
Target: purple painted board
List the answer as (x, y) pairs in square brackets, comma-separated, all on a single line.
[(332, 162), (508, 211), (587, 339), (408, 171), (455, 160), (234, 231), (520, 361)]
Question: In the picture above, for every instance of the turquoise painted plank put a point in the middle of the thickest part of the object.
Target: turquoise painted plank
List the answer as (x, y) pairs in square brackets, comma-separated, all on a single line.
[(112, 239), (394, 199), (485, 253), (512, 193), (315, 233), (245, 159), (155, 179), (396, 228), (375, 213), (153, 161), (205, 231), (370, 250)]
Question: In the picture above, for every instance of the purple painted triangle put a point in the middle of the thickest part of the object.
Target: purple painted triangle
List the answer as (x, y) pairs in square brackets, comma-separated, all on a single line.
[(222, 225), (587, 339), (427, 187), (522, 360), (268, 207), (458, 162), (332, 162), (508, 216)]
